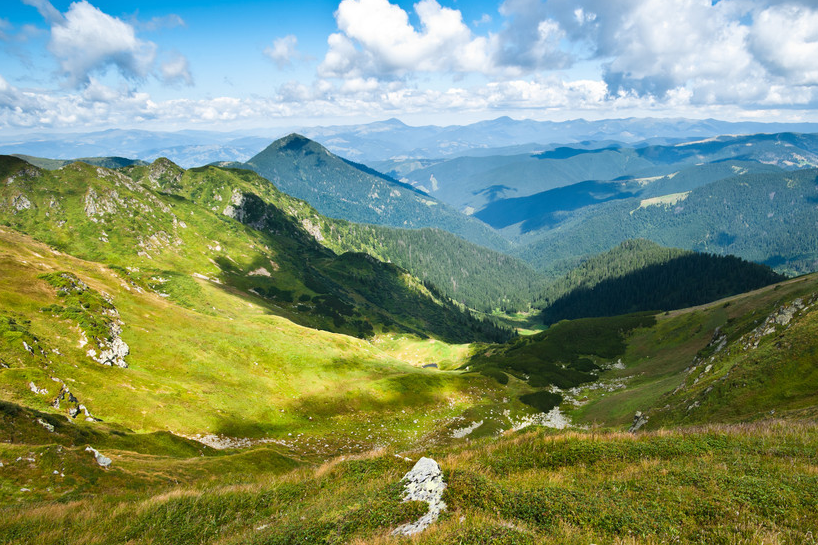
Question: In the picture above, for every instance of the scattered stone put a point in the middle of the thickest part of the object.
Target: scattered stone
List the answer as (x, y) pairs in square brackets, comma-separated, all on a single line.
[(639, 420), (39, 391), (101, 459), (114, 353), (463, 432), (423, 483), (46, 425), (261, 271)]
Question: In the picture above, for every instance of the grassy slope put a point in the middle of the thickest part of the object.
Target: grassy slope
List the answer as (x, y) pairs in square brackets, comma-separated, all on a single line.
[(740, 484), (778, 375), (170, 224)]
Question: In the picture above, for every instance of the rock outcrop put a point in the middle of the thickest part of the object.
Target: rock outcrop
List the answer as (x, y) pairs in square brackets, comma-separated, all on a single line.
[(101, 459), (423, 483), (639, 420)]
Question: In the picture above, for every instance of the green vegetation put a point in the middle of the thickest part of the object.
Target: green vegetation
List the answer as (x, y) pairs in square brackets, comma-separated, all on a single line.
[(731, 484), (107, 162), (281, 377), (639, 275), (750, 216), (83, 305), (479, 278), (164, 226), (559, 357)]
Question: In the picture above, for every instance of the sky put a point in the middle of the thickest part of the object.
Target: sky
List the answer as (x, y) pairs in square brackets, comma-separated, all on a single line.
[(233, 66)]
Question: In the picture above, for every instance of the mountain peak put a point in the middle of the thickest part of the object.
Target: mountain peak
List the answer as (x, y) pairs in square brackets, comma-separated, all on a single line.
[(295, 142)]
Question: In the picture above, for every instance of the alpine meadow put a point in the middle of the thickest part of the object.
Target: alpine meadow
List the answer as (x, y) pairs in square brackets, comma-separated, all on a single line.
[(502, 272)]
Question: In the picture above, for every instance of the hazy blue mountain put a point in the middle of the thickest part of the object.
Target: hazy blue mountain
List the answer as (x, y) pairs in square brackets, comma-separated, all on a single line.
[(342, 189), (392, 139), (474, 183), (547, 209), (380, 141)]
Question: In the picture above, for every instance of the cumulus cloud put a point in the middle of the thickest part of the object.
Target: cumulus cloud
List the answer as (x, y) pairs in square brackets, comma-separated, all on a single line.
[(86, 42), (784, 39), (284, 51), (530, 39), (376, 39), (741, 51)]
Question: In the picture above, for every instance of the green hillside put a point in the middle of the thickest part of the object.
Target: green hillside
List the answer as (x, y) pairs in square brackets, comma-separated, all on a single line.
[(195, 357), (164, 228), (757, 217), (479, 278), (640, 275), (741, 371), (107, 162), (342, 189)]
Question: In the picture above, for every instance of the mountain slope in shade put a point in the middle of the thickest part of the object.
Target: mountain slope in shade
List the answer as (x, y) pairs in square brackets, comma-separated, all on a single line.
[(342, 189), (639, 275)]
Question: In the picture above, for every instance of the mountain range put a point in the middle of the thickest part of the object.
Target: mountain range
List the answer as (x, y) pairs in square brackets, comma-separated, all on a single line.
[(256, 350), (379, 141)]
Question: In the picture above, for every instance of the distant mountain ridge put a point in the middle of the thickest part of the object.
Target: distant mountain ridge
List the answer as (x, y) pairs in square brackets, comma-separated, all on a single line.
[(376, 141)]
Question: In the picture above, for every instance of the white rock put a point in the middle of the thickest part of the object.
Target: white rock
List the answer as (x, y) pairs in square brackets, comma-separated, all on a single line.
[(101, 459), (423, 483)]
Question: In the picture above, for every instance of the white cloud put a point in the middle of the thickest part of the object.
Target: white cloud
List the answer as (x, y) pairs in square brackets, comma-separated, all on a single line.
[(530, 39), (86, 42), (284, 51), (176, 70), (48, 12), (89, 41), (785, 40), (159, 23), (391, 46)]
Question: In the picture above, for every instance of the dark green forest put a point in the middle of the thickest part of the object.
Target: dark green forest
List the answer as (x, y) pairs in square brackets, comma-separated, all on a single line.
[(640, 275), (478, 277)]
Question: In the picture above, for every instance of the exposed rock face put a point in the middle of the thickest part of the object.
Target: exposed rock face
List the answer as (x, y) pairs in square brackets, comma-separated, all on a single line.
[(114, 352), (639, 420), (39, 391), (101, 459), (20, 203), (313, 229), (235, 209), (423, 483)]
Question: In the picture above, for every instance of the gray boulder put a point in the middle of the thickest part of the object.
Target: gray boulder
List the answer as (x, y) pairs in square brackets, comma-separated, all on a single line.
[(423, 483)]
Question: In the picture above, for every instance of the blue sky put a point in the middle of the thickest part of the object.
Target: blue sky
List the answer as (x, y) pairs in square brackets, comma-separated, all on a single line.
[(180, 64)]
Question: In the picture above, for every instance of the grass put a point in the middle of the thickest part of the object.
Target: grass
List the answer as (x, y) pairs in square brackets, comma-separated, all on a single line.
[(752, 483), (320, 415)]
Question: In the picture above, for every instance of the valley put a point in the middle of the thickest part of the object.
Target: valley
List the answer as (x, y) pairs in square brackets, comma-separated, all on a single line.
[(614, 345)]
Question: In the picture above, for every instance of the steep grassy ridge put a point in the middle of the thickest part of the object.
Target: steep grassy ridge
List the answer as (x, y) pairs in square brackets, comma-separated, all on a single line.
[(163, 226)]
